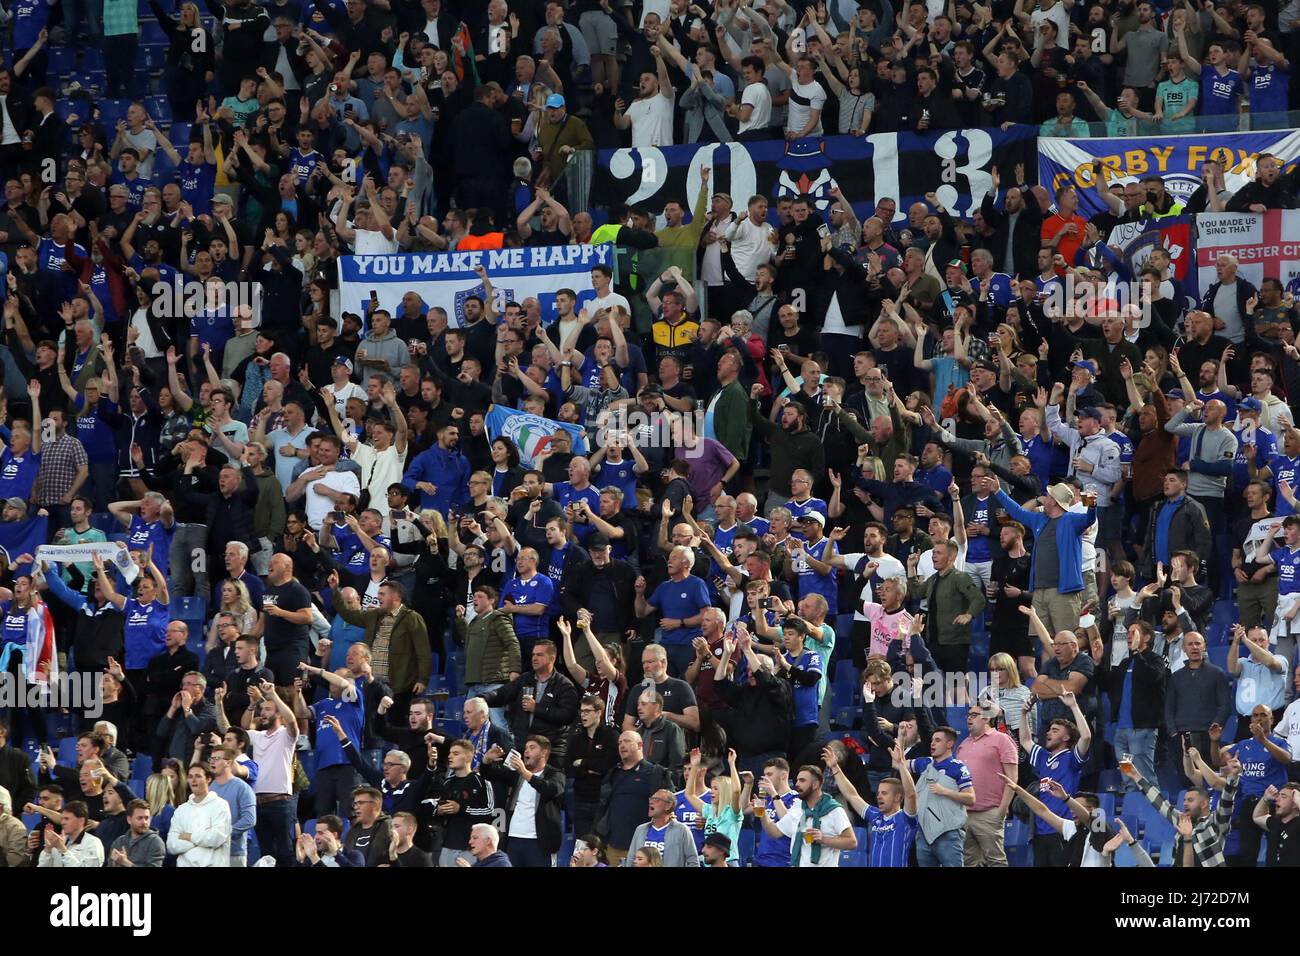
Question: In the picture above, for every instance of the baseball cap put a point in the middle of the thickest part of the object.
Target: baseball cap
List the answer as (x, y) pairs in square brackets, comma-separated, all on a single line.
[(1176, 393), (1250, 404), (1088, 364), (222, 197), (344, 361), (18, 503), (597, 540), (1061, 493), (985, 364), (652, 389), (1090, 412), (813, 516), (555, 102), (957, 263)]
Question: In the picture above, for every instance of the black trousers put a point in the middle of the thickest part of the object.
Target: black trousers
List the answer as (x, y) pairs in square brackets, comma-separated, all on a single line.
[(1049, 850)]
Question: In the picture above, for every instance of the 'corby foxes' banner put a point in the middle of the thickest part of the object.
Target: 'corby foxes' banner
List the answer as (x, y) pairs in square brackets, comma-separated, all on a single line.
[(902, 166), (1265, 244), (448, 279), (1175, 159)]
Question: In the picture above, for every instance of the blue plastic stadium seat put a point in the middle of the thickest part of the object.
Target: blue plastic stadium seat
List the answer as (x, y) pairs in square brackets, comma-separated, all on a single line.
[(1107, 802), (374, 757), (136, 787), (310, 826), (1217, 634), (1134, 813), (63, 59), (159, 107), (103, 520), (1016, 832), (1224, 612), (65, 107), (1218, 655), (845, 674), (844, 717), (92, 58), (1158, 831), (857, 858), (151, 32), (747, 844), (189, 609), (453, 708), (68, 752), (179, 134), (141, 767), (565, 853), (1124, 857)]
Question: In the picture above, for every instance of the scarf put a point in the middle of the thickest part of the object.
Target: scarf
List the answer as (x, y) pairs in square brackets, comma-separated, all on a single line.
[(480, 742), (812, 819)]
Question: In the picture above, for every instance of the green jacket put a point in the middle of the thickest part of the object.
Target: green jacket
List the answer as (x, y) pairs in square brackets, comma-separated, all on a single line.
[(269, 513), (954, 593), (731, 419), (801, 449), (409, 661), (491, 647)]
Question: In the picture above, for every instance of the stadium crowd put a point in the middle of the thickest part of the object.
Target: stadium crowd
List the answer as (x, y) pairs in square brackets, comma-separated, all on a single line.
[(887, 549)]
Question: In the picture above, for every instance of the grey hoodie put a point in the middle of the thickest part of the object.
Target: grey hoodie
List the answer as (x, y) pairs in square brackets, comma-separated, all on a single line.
[(390, 349)]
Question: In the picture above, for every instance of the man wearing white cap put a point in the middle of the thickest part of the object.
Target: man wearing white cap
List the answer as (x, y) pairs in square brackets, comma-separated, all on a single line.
[(1056, 577), (810, 561)]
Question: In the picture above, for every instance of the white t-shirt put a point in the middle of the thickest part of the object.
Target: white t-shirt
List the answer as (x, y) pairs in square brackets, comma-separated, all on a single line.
[(759, 97), (379, 469), (804, 98), (750, 247), (834, 823), (318, 505), (273, 751), (608, 301), (372, 242), (1058, 16), (1290, 728), (652, 121), (523, 822), (349, 391)]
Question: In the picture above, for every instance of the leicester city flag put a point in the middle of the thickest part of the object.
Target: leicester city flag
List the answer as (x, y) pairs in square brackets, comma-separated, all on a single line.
[(22, 537), (530, 433)]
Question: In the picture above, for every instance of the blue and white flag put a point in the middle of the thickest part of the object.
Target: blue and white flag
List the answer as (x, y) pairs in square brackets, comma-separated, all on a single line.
[(22, 537), (530, 433)]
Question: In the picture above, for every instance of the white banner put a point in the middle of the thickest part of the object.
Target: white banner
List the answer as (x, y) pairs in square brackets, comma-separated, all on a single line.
[(448, 279), (111, 552), (1265, 244)]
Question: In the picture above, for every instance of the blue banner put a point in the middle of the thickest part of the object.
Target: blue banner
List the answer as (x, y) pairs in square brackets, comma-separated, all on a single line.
[(530, 433), (1175, 159), (955, 164), (22, 537)]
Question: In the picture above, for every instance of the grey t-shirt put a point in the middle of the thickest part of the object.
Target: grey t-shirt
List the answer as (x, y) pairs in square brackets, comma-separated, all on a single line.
[(1225, 307), (1047, 561), (1144, 49), (777, 83)]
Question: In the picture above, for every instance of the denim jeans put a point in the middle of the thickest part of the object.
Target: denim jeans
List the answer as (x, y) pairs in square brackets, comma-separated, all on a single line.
[(274, 829), (948, 850), (1140, 744), (528, 853), (90, 22), (188, 570), (497, 715)]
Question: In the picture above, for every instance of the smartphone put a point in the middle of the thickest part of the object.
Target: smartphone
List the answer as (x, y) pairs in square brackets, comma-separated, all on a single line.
[(397, 514), (339, 517), (824, 231), (374, 295)]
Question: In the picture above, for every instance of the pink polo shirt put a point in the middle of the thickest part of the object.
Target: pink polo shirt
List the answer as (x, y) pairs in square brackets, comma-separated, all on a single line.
[(984, 756)]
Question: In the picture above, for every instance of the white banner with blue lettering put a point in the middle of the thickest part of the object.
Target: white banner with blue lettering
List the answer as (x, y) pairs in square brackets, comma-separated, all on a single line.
[(1175, 159), (448, 279)]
